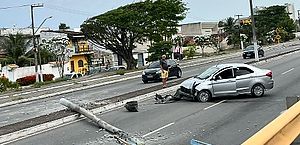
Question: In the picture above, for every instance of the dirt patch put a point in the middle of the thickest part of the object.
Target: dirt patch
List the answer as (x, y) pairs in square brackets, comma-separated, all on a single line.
[(64, 113)]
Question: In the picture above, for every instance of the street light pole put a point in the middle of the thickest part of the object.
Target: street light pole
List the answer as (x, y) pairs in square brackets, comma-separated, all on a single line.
[(242, 46), (298, 17), (39, 51), (253, 32), (33, 40)]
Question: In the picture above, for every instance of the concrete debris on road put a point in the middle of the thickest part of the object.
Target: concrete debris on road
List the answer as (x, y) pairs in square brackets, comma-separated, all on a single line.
[(164, 99), (132, 106), (121, 136)]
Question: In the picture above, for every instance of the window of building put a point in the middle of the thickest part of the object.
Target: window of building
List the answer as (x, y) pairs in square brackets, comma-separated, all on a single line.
[(80, 63)]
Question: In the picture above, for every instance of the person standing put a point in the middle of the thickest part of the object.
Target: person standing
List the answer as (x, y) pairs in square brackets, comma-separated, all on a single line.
[(164, 70)]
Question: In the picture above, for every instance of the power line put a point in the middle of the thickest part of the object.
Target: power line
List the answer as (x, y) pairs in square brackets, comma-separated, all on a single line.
[(67, 10), (11, 7)]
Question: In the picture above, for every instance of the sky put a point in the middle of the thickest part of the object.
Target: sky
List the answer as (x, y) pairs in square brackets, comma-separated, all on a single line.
[(74, 12)]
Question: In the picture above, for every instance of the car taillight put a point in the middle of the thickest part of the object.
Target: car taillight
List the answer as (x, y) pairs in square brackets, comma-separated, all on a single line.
[(269, 74)]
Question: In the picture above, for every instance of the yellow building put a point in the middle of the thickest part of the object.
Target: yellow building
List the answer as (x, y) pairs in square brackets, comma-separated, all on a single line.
[(80, 53)]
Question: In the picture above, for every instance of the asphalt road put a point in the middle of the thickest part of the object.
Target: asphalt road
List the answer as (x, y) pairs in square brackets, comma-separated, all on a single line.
[(20, 112), (226, 121)]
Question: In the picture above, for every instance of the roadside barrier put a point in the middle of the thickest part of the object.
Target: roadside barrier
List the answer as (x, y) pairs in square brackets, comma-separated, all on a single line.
[(281, 131)]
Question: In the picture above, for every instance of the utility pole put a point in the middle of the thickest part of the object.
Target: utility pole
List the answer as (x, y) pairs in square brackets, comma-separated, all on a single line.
[(253, 32), (242, 45), (35, 49), (298, 17)]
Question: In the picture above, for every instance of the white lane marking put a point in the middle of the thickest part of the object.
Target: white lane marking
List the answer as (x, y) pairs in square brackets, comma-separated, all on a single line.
[(158, 129), (66, 85), (3, 97), (214, 105), (288, 71)]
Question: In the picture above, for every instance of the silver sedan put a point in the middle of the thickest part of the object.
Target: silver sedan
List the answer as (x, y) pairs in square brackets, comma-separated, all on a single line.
[(227, 80)]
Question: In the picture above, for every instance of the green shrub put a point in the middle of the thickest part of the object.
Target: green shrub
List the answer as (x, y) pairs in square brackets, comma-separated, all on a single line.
[(120, 72), (4, 84), (14, 86), (190, 52), (38, 84)]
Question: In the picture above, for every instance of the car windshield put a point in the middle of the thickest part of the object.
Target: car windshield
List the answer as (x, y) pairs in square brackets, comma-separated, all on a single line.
[(155, 64), (249, 48), (206, 74)]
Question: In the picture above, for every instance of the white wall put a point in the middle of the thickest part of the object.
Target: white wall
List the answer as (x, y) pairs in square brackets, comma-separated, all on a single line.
[(14, 74)]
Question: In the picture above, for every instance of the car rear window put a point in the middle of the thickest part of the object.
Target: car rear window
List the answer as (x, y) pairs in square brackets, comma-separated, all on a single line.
[(243, 71)]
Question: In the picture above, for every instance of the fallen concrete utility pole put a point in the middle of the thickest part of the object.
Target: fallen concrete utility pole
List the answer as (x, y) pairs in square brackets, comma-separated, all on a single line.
[(121, 135)]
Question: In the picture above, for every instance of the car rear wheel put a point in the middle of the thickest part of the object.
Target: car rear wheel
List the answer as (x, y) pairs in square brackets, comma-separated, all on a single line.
[(203, 96), (179, 74), (258, 90)]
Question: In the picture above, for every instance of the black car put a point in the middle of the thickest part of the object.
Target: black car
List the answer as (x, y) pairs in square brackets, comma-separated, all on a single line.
[(249, 52), (152, 72)]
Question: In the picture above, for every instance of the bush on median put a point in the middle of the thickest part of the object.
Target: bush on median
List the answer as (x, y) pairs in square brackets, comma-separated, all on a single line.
[(5, 85), (28, 80)]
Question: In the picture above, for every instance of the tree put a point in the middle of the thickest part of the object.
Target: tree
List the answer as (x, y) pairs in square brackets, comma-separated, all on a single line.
[(203, 41), (231, 31), (119, 30), (57, 46), (63, 26), (158, 49), (272, 18), (15, 47)]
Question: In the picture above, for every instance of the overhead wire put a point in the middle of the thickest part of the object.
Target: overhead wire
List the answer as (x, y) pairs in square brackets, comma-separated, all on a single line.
[(67, 10), (11, 7)]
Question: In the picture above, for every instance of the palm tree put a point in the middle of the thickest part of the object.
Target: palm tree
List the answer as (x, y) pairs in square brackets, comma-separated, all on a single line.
[(229, 25), (231, 31), (15, 47)]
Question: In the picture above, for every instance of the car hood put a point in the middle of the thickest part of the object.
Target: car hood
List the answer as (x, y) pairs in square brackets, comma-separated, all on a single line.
[(189, 82), (248, 51), (151, 70)]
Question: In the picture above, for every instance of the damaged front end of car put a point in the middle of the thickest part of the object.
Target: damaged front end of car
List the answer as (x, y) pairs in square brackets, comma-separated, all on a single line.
[(188, 89)]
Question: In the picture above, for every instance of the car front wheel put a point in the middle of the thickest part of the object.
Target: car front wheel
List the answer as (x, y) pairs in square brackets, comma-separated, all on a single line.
[(179, 74), (203, 96), (145, 81)]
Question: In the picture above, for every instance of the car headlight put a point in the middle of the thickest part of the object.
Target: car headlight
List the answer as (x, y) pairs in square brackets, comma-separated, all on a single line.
[(143, 73)]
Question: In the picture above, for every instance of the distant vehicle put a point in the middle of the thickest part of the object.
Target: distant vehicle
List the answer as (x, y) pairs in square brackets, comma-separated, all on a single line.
[(249, 52), (118, 67), (73, 75), (227, 80), (153, 72)]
